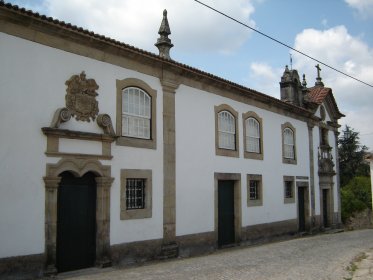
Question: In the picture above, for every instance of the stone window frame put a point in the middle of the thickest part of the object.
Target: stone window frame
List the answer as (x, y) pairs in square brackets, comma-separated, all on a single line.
[(132, 141), (289, 160), (251, 155), (257, 202), (288, 200), (145, 212), (221, 151)]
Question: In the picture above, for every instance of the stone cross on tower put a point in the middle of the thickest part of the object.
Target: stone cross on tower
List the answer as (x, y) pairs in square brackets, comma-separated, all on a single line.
[(164, 43), (318, 79)]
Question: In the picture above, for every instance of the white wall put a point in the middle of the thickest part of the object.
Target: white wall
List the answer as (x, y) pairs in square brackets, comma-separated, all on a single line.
[(196, 163), (316, 144), (32, 86)]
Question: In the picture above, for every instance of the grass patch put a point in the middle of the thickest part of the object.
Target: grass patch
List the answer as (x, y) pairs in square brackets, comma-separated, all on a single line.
[(353, 266)]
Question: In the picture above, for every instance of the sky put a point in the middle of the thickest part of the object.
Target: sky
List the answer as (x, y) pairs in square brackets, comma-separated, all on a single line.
[(336, 32)]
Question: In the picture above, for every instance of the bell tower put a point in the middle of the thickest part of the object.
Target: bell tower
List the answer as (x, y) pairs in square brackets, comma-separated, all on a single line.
[(291, 87)]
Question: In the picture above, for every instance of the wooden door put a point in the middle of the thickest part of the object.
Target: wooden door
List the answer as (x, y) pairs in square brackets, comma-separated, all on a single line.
[(76, 222), (301, 210), (325, 207), (226, 233)]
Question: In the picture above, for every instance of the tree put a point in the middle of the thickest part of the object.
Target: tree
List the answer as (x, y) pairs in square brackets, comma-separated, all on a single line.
[(356, 196), (351, 156)]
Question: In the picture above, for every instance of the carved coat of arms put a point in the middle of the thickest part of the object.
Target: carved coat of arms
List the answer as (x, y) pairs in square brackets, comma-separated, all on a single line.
[(81, 97)]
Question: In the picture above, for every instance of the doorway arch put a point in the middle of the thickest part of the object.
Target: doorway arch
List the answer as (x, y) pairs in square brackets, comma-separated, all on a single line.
[(103, 180)]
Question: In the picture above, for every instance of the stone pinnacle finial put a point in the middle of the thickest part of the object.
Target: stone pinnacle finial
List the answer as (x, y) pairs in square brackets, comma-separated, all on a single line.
[(318, 79), (163, 42)]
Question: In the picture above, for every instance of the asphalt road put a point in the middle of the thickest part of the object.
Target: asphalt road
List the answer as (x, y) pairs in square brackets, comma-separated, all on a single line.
[(324, 256)]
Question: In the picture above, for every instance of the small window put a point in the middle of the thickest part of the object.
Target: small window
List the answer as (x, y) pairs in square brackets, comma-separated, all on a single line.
[(289, 189), (254, 190), (135, 194), (288, 143), (252, 136), (136, 113), (227, 130), (289, 154)]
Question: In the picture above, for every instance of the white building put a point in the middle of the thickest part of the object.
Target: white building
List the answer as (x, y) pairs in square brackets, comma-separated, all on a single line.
[(111, 154)]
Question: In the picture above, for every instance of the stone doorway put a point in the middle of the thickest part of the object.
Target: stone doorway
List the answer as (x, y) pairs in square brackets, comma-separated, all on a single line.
[(103, 180)]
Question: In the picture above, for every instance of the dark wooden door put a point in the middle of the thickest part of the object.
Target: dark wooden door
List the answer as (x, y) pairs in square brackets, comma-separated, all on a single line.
[(325, 207), (225, 213), (301, 210), (76, 222)]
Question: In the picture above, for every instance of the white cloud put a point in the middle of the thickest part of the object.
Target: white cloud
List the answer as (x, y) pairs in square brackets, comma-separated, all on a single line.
[(364, 7), (337, 48), (136, 22), (265, 78)]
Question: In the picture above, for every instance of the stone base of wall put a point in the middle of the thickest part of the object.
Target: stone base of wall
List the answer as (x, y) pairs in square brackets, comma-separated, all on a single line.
[(32, 266), (360, 220), (269, 232), (196, 244), (22, 267), (318, 226), (135, 252)]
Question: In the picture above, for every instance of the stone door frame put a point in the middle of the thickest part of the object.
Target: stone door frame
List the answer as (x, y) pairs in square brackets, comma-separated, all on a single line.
[(326, 183), (236, 178), (78, 167)]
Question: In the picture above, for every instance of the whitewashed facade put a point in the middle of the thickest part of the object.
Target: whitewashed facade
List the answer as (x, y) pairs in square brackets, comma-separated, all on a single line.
[(181, 163)]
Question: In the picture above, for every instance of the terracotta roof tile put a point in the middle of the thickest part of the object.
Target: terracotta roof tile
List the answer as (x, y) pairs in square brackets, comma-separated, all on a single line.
[(318, 94)]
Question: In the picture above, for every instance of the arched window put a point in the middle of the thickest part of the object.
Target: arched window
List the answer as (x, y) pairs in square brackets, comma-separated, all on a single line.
[(289, 143), (252, 135), (136, 113), (227, 130)]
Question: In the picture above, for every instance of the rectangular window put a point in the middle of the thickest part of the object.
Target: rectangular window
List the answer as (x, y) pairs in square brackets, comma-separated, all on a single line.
[(289, 183), (288, 189), (135, 194), (254, 190)]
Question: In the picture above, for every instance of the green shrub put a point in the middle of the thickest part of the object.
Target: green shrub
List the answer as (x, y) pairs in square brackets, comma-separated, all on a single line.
[(356, 196)]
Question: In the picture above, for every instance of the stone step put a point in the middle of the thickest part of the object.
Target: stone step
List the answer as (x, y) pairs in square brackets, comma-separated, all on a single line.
[(169, 251)]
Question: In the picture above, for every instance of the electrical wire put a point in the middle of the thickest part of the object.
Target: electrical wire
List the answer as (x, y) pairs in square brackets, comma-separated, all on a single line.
[(281, 43)]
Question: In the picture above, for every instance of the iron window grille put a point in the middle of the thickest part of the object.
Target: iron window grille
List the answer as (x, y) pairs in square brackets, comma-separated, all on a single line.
[(135, 194), (254, 190), (288, 189)]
